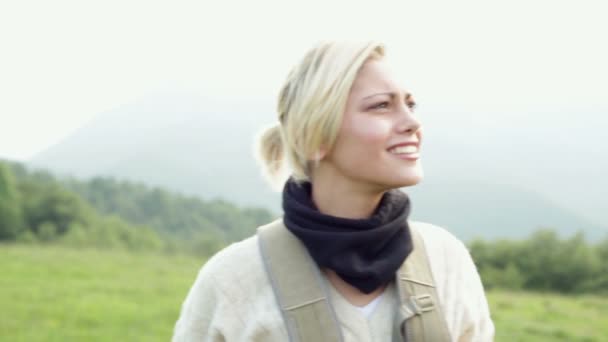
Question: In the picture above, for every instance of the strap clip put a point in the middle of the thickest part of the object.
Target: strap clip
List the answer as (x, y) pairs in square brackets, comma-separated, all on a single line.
[(417, 305)]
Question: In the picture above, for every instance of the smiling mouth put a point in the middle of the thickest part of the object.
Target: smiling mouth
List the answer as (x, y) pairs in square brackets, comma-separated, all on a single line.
[(408, 152), (407, 149)]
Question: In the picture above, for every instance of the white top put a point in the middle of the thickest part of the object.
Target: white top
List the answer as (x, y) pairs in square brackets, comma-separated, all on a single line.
[(232, 298), (369, 308)]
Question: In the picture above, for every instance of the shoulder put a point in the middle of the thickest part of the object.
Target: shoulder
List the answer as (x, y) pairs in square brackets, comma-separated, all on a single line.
[(216, 283), (240, 260), (438, 240), (429, 229), (458, 284), (231, 299), (447, 254)]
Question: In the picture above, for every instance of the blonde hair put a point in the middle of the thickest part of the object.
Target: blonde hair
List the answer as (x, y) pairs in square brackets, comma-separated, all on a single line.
[(310, 108)]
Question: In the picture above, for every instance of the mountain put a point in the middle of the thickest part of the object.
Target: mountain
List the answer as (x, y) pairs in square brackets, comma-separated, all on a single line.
[(179, 142), (480, 179), (491, 211)]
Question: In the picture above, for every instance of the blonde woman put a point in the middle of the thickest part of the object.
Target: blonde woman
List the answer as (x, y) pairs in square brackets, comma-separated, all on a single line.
[(344, 263)]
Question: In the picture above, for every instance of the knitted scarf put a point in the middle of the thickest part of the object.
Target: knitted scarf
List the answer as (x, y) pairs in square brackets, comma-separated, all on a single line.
[(365, 253)]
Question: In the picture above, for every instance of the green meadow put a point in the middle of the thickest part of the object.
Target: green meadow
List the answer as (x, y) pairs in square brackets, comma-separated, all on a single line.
[(61, 294)]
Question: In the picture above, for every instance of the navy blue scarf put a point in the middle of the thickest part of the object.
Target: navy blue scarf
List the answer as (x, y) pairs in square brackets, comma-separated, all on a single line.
[(365, 253)]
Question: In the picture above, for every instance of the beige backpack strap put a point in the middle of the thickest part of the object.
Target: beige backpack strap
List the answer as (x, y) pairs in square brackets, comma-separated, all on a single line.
[(420, 318), (297, 285)]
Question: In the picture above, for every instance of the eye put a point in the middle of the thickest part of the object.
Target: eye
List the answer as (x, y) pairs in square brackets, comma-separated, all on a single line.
[(409, 102), (381, 105), (412, 105)]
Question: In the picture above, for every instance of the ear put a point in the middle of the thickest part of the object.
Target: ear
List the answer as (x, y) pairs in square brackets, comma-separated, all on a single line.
[(320, 154)]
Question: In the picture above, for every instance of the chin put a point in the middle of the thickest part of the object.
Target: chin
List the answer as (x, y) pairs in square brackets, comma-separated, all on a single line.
[(410, 182), (399, 182), (410, 179)]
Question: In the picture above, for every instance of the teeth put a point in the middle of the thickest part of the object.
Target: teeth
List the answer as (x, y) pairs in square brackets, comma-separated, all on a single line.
[(404, 149)]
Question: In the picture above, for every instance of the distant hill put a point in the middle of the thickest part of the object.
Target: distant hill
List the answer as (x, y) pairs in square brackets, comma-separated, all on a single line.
[(181, 142), (492, 211), (204, 148)]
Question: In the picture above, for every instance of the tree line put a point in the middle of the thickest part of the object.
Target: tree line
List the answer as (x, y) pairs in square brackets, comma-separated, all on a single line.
[(543, 262), (37, 207)]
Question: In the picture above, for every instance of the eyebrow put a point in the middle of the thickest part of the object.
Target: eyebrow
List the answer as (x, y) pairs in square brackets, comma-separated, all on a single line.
[(408, 95)]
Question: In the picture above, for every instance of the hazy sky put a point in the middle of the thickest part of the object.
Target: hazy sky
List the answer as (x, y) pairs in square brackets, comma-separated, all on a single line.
[(523, 61)]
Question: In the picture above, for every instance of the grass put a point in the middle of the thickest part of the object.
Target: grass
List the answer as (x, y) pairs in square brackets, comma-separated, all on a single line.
[(527, 316), (59, 294)]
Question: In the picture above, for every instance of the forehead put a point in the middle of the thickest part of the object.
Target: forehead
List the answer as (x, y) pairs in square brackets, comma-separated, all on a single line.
[(376, 75)]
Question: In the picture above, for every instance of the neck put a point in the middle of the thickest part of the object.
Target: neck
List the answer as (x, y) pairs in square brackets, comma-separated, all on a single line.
[(341, 198)]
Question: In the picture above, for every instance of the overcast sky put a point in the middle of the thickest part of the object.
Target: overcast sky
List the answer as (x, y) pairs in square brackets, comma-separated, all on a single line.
[(522, 61)]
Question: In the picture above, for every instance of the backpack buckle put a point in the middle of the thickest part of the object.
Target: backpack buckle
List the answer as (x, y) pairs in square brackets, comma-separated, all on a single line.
[(417, 305), (423, 303)]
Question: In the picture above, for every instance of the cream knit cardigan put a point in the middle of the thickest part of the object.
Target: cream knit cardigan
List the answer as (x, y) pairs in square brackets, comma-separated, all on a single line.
[(232, 299)]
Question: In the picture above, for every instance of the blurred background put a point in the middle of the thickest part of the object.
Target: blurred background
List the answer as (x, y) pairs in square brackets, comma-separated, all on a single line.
[(126, 150)]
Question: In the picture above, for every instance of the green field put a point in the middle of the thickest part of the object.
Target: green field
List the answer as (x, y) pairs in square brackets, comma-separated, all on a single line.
[(57, 294), (523, 316)]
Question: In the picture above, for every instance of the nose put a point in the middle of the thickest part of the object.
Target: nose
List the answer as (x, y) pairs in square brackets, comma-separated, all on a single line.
[(407, 121)]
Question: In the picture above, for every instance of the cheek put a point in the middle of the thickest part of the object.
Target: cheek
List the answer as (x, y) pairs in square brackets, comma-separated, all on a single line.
[(371, 131)]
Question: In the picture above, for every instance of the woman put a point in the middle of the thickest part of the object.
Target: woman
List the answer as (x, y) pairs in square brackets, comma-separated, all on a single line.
[(348, 131)]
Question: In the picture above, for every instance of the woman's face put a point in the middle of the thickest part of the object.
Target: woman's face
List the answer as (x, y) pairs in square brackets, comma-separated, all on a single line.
[(378, 143)]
